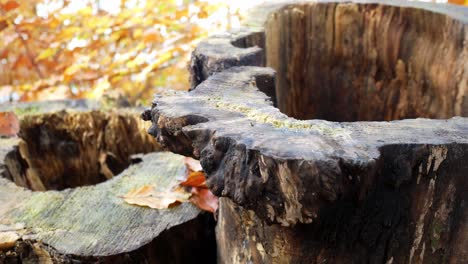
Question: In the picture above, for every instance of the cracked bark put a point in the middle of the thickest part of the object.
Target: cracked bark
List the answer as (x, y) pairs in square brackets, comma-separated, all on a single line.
[(388, 191)]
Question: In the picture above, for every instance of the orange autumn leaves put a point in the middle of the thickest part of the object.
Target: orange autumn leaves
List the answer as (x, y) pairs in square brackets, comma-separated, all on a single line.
[(52, 49), (9, 5), (192, 189), (459, 2)]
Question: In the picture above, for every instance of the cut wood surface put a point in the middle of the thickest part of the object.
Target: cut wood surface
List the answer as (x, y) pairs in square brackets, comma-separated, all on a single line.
[(226, 50), (76, 164), (288, 169), (94, 220), (381, 189)]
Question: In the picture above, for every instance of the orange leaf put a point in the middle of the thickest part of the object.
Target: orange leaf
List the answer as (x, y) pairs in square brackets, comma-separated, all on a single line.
[(204, 199), (192, 164), (3, 25), (10, 5), (9, 124), (458, 2), (152, 37), (148, 196), (4, 54), (195, 179), (22, 61)]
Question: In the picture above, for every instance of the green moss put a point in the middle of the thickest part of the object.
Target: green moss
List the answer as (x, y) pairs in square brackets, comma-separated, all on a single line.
[(288, 123), (437, 228), (69, 209), (29, 110)]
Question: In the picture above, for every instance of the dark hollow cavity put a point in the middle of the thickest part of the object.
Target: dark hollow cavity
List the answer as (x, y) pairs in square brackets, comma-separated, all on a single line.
[(66, 150), (366, 62)]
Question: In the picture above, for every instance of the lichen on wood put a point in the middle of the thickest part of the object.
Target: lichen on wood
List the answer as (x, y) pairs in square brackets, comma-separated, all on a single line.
[(73, 210)]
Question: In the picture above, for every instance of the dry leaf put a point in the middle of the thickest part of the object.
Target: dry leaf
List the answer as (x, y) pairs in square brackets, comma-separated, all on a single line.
[(192, 164), (204, 199), (199, 194), (8, 240), (195, 179), (148, 196), (9, 124)]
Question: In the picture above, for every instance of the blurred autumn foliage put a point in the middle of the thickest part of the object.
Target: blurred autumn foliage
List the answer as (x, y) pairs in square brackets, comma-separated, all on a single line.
[(53, 49), (74, 49)]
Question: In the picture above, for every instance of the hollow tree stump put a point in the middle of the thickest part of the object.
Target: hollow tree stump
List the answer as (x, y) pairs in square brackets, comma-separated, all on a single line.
[(393, 190), (60, 188)]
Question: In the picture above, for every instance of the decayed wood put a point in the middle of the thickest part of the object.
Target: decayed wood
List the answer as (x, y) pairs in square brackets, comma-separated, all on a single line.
[(390, 192), (222, 51), (87, 221), (285, 169), (369, 62), (367, 191), (411, 214)]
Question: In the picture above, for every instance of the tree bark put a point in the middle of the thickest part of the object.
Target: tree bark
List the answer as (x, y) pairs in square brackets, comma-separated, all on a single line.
[(315, 191)]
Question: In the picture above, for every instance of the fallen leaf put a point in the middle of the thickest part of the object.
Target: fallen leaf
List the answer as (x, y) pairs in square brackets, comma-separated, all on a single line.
[(148, 196), (8, 240), (204, 199), (192, 164), (9, 124), (201, 197), (195, 179)]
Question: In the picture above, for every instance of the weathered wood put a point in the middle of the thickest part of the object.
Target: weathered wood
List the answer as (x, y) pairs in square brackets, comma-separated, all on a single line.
[(237, 135), (87, 221), (369, 62), (222, 51), (417, 216), (348, 192)]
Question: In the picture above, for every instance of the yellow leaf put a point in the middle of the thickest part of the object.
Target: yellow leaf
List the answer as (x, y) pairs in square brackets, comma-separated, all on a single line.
[(47, 53), (202, 14), (136, 62), (182, 13), (137, 33), (68, 33), (72, 70), (87, 11), (99, 89)]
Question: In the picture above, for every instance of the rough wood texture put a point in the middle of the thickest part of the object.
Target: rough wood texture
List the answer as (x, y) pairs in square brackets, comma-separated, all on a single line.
[(371, 62), (411, 214), (240, 139), (359, 192), (94, 220), (222, 51), (68, 150), (63, 150)]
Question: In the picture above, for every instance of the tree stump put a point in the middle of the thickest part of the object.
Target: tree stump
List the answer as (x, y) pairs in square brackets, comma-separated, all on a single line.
[(60, 188), (377, 175)]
